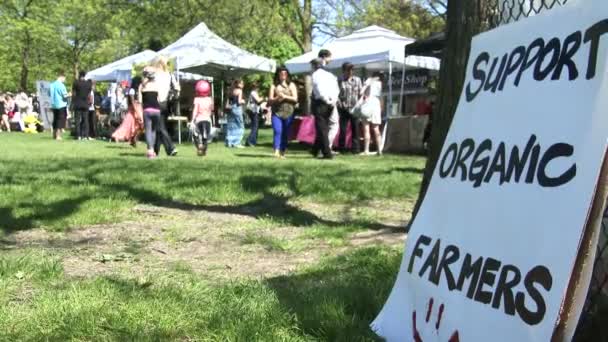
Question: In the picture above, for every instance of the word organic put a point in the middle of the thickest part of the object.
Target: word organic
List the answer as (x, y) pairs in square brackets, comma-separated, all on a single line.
[(479, 164)]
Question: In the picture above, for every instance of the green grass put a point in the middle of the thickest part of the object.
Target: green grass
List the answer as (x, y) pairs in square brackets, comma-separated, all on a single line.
[(70, 184), (334, 301)]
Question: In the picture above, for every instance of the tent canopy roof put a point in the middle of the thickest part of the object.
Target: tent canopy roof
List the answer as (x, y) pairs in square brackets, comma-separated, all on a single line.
[(373, 47), (111, 72), (203, 52), (432, 46)]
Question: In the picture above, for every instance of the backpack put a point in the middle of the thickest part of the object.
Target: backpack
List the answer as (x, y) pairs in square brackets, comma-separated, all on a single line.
[(173, 92), (252, 105)]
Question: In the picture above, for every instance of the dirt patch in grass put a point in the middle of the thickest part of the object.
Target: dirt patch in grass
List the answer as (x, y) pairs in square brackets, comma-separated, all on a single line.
[(217, 245)]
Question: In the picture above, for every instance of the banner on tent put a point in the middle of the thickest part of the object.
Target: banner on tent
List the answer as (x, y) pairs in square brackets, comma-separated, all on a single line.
[(490, 255), (416, 81), (43, 90)]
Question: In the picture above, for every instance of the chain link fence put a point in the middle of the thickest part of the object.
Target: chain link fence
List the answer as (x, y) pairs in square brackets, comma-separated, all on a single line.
[(592, 326)]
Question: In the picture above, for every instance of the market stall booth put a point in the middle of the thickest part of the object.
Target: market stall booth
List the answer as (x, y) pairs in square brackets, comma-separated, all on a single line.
[(203, 52), (120, 70), (371, 49), (408, 133)]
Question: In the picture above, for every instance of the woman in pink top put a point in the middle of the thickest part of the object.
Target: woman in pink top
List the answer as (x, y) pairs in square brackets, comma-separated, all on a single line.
[(202, 110)]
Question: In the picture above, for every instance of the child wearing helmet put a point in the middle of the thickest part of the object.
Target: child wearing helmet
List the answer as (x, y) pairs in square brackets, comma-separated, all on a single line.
[(202, 110)]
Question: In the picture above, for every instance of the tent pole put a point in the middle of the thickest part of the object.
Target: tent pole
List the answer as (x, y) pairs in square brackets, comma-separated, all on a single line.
[(401, 97), (390, 105), (178, 109), (222, 106), (213, 121), (390, 90)]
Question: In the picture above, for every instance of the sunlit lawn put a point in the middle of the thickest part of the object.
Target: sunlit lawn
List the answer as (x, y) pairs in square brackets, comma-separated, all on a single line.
[(60, 186)]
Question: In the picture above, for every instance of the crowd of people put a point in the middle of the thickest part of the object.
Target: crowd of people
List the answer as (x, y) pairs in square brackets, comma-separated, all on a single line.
[(345, 110), (340, 103), (14, 110)]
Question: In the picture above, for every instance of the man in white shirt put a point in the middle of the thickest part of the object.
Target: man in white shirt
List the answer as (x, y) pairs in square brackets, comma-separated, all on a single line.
[(334, 120), (325, 92)]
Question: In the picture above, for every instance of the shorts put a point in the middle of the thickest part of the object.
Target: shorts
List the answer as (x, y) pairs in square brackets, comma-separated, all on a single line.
[(60, 117)]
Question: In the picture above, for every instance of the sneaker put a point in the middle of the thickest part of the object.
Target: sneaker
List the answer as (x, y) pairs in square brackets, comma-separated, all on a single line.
[(151, 155), (239, 146), (173, 153), (199, 151)]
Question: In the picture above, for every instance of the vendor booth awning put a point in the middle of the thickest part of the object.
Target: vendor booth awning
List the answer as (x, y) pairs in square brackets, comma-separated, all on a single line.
[(120, 69), (374, 47), (203, 52), (432, 46)]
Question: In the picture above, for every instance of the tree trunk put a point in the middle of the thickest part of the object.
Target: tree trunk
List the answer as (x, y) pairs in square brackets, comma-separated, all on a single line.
[(464, 20), (307, 47), (307, 79), (25, 60)]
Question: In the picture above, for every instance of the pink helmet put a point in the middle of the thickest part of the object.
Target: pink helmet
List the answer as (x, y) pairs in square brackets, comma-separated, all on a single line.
[(202, 88)]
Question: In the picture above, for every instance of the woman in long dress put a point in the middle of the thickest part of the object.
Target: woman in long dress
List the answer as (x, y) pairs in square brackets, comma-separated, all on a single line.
[(372, 92), (132, 124), (235, 126)]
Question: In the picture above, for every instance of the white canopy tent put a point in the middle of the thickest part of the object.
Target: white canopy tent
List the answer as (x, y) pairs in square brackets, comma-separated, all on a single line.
[(203, 52), (120, 69), (374, 47)]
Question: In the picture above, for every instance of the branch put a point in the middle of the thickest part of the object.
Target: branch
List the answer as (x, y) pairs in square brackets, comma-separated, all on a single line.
[(329, 33)]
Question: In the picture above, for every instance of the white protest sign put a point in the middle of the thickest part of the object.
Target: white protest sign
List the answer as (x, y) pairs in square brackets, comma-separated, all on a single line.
[(491, 252), (43, 89)]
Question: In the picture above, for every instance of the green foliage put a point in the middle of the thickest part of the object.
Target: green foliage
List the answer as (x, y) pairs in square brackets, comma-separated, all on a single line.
[(40, 37), (408, 18)]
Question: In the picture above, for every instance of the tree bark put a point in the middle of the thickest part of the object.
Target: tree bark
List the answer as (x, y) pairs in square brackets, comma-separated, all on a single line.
[(25, 60), (464, 20), (307, 27)]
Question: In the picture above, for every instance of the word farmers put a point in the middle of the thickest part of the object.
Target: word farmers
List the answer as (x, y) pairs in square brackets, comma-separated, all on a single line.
[(479, 163), (549, 59), (484, 280)]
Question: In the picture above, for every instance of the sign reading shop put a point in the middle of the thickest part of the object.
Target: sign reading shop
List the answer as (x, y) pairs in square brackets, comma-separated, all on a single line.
[(415, 81), (492, 250)]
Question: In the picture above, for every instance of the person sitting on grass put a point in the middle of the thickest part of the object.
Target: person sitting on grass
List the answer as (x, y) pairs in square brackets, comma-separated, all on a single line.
[(202, 110)]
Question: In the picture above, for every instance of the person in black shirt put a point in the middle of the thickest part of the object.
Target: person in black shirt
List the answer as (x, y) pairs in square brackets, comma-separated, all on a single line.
[(4, 122), (81, 100)]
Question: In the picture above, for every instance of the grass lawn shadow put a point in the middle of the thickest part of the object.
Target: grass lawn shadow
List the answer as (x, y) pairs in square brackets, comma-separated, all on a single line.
[(339, 299)]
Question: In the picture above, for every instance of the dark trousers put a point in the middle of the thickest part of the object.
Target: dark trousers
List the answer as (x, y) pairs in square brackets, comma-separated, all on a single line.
[(163, 136), (252, 140), (92, 124), (345, 118), (151, 124), (204, 129), (82, 123), (322, 112)]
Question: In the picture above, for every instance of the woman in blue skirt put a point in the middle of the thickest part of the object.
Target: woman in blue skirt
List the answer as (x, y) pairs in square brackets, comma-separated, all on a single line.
[(235, 126)]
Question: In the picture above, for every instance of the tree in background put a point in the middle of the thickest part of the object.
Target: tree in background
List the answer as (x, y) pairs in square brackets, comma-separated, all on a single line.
[(417, 19), (40, 37), (85, 29), (464, 20), (25, 26)]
